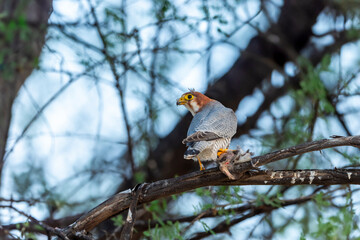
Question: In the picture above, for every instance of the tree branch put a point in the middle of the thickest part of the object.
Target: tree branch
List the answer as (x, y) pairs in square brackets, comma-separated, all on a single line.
[(127, 231), (214, 177), (224, 226), (213, 212), (55, 231), (111, 60)]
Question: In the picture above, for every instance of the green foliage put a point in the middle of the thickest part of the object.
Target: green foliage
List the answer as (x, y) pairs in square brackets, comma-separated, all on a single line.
[(296, 129), (174, 197), (172, 230), (207, 228), (338, 226), (168, 230), (203, 192), (13, 28), (118, 220), (226, 195), (38, 227), (321, 200), (218, 200), (115, 16), (312, 86), (139, 177), (229, 194), (311, 102), (23, 228), (156, 207), (162, 8), (353, 33), (302, 237), (29, 235), (54, 201), (263, 199)]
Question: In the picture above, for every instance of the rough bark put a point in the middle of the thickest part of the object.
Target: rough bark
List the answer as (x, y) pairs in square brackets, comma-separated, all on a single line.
[(21, 41)]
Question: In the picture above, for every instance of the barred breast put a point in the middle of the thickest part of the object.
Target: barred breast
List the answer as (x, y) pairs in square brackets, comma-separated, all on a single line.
[(208, 149)]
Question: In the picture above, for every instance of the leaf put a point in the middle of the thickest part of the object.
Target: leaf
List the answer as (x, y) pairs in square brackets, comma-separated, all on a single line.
[(118, 220), (147, 233), (321, 201), (139, 177), (207, 228), (302, 236)]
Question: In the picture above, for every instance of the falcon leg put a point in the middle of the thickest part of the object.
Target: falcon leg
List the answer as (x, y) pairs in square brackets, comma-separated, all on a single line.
[(222, 151), (200, 164)]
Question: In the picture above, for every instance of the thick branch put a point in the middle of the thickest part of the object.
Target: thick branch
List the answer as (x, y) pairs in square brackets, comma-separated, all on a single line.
[(213, 177)]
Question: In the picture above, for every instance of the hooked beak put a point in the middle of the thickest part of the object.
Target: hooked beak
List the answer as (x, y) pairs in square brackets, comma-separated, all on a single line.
[(181, 101)]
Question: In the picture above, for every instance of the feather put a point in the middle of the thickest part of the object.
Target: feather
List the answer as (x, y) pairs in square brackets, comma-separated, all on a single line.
[(201, 136)]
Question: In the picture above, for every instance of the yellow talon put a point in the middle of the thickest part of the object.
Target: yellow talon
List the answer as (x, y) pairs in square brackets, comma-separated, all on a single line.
[(221, 151), (200, 164)]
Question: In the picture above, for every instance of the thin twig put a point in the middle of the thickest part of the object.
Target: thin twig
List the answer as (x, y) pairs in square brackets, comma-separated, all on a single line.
[(42, 108), (54, 231), (111, 60)]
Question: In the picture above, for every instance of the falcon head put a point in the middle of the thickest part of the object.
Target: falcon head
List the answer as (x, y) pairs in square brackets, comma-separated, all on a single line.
[(193, 101)]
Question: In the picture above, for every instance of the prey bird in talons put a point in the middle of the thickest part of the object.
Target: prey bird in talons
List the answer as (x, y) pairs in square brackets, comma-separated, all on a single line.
[(211, 129)]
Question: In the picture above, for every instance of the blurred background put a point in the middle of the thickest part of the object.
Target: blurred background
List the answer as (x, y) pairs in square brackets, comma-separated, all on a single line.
[(88, 93)]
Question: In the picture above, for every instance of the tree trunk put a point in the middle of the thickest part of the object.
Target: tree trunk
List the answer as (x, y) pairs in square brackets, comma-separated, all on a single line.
[(22, 37)]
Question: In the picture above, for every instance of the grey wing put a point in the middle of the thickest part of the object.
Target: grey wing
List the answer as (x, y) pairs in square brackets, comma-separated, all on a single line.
[(198, 119), (221, 121), (201, 136), (213, 122), (195, 136)]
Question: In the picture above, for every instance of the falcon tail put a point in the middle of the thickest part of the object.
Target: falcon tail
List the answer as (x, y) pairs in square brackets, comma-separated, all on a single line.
[(190, 153)]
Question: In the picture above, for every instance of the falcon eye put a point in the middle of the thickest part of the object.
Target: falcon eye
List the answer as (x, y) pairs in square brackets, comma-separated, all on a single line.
[(189, 97)]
